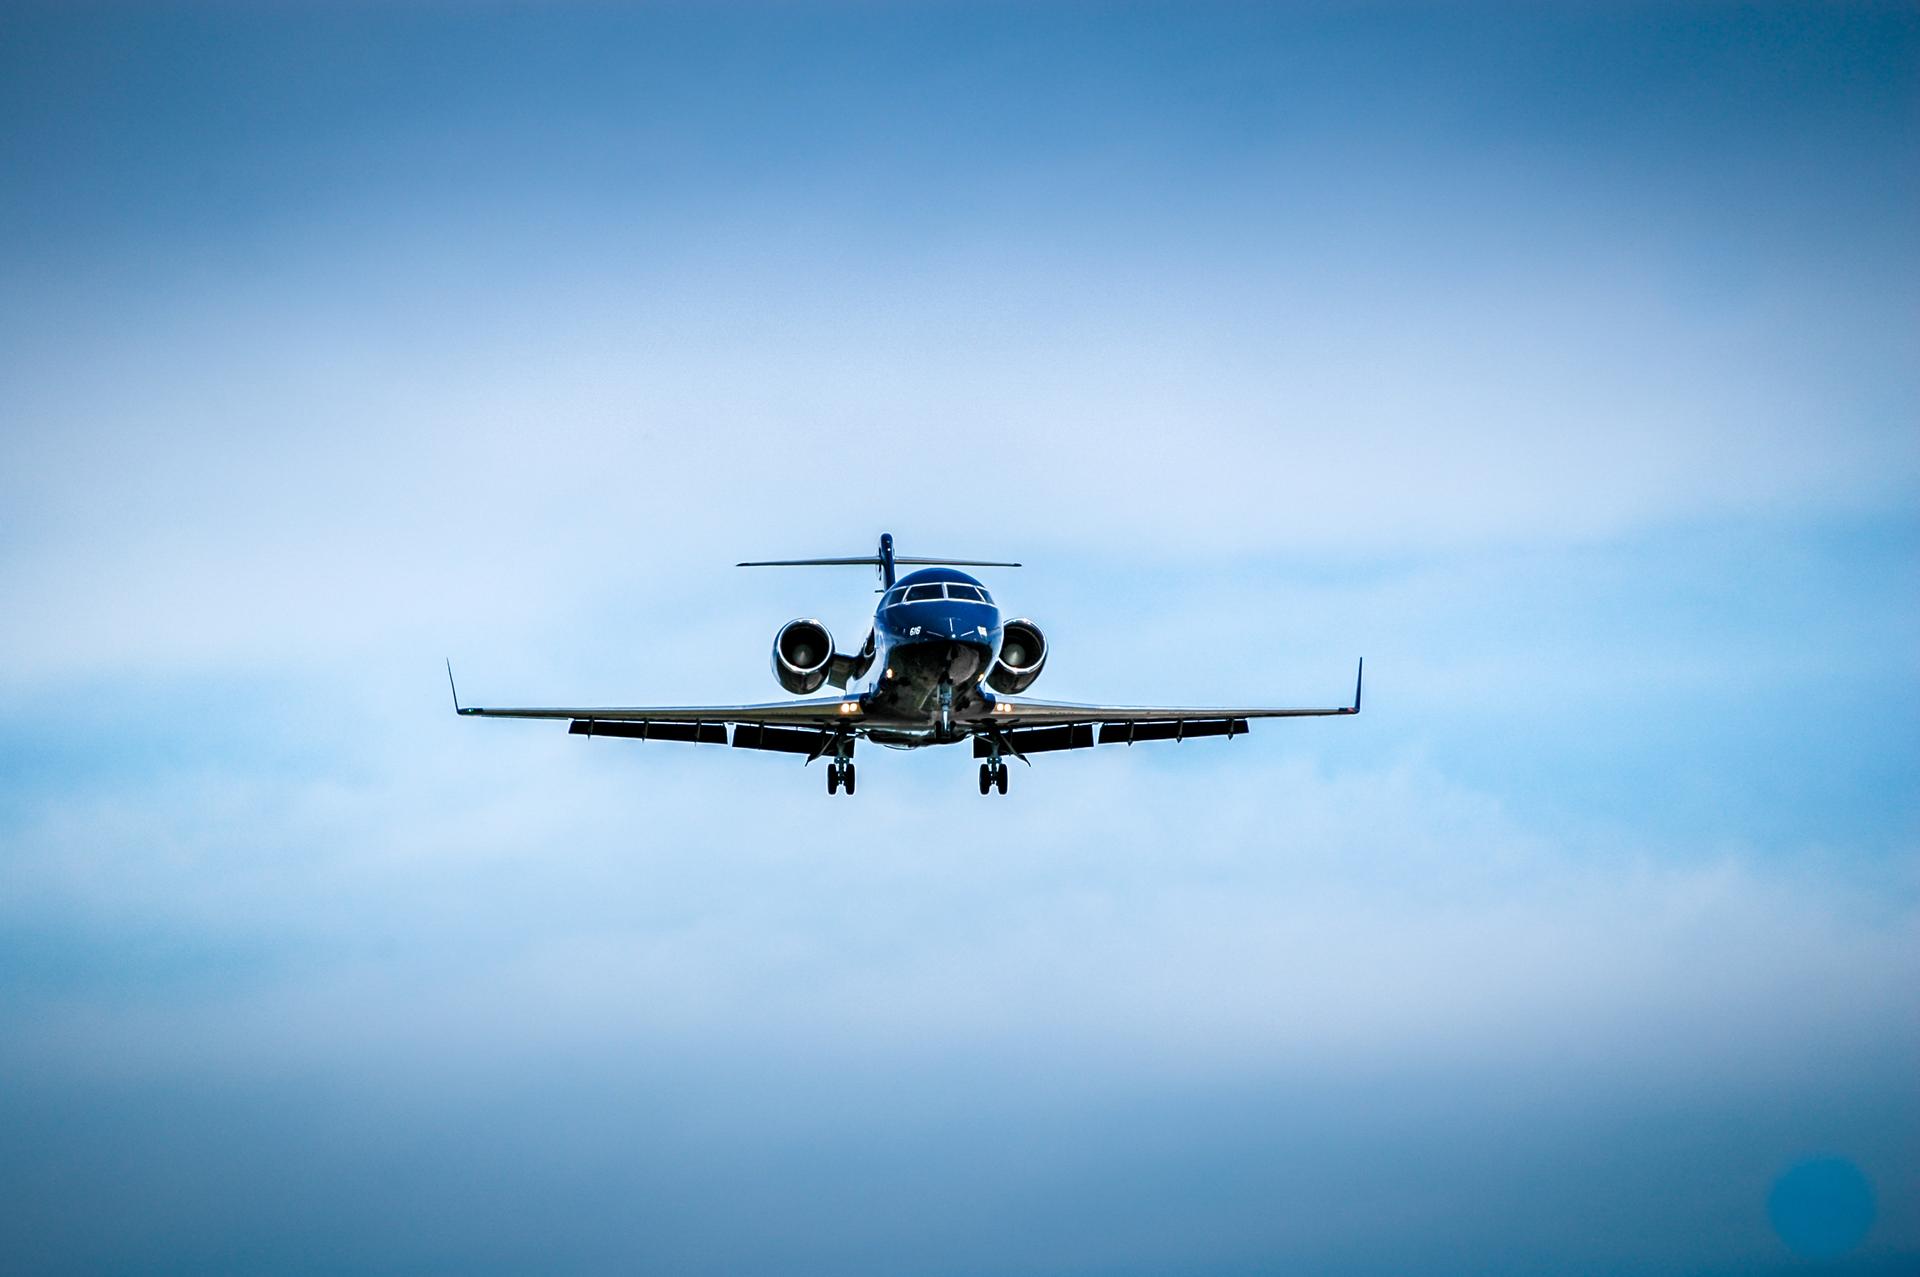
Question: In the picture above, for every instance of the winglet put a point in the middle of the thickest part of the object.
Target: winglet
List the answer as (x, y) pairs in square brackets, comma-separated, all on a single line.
[(1358, 675), (452, 688)]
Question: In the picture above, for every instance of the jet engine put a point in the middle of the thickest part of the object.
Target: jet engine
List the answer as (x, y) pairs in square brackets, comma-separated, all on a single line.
[(802, 656), (1023, 651)]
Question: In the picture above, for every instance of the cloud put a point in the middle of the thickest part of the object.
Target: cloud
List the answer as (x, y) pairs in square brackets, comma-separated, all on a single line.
[(1354, 909), (273, 455), (475, 922)]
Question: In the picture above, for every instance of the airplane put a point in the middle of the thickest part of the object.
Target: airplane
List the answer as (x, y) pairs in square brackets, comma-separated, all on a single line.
[(945, 669)]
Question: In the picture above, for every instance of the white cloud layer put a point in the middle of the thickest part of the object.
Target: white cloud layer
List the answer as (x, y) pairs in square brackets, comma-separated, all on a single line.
[(262, 457), (433, 930)]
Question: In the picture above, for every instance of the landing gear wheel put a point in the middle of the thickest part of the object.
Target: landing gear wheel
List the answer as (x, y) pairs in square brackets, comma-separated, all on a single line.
[(833, 779), (849, 780), (986, 778), (1000, 781)]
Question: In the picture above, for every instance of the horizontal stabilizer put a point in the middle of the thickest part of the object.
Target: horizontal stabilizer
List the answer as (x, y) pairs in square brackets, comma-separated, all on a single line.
[(874, 561), (885, 560)]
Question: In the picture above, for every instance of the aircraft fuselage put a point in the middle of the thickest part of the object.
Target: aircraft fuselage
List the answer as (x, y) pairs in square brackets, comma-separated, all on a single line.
[(931, 659)]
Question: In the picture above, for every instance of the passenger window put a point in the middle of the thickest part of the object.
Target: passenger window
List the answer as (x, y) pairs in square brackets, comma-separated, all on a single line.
[(922, 594)]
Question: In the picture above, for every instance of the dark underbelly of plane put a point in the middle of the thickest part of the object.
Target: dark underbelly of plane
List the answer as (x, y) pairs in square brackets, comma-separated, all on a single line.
[(904, 708)]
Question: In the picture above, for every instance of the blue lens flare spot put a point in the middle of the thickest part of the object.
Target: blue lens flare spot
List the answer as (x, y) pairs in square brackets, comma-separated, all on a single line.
[(1821, 1208)]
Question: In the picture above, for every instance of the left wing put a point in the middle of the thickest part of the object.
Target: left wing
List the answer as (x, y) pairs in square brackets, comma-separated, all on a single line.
[(1023, 727), (793, 727)]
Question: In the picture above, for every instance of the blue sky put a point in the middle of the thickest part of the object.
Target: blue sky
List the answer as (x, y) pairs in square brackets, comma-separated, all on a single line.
[(1560, 360)]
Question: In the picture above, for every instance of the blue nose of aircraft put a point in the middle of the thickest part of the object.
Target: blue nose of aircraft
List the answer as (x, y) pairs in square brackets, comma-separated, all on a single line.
[(928, 625)]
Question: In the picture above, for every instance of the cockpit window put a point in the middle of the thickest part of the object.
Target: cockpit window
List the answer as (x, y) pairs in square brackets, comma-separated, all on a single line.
[(935, 592)]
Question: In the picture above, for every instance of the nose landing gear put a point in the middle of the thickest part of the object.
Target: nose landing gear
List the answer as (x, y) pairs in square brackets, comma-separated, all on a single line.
[(993, 775)]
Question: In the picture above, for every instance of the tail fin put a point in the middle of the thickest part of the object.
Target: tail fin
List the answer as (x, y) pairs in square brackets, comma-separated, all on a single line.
[(884, 560)]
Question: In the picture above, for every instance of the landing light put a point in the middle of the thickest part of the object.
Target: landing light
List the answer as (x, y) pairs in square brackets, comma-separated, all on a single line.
[(849, 707)]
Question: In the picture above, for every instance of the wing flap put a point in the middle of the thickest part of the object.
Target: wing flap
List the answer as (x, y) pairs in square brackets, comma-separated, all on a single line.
[(1038, 740), (1179, 729), (692, 733), (784, 740), (1041, 740)]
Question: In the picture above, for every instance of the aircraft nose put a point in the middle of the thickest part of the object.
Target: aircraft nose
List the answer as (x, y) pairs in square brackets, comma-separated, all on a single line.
[(948, 627)]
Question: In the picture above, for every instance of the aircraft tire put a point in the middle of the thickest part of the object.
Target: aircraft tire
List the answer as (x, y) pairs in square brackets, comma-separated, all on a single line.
[(833, 780), (849, 780), (986, 778), (1000, 781)]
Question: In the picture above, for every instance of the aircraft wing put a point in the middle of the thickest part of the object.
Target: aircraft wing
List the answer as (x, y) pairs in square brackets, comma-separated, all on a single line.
[(793, 727), (1023, 727)]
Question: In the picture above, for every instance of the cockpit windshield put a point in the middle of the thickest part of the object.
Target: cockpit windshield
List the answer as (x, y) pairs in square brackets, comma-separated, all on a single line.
[(935, 592)]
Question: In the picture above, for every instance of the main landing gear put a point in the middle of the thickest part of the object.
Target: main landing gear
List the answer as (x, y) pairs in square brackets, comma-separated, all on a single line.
[(993, 775), (840, 770)]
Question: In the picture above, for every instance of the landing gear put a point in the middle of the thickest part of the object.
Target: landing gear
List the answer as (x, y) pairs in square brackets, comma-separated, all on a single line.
[(993, 775), (986, 778), (840, 770)]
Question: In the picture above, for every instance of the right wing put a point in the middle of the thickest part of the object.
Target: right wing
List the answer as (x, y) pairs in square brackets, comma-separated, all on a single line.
[(1023, 727)]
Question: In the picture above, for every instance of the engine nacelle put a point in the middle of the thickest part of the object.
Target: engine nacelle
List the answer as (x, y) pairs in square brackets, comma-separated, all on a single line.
[(802, 656), (1023, 653)]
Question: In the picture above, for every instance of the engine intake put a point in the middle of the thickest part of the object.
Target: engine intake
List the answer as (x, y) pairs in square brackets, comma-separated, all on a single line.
[(802, 656), (1023, 653)]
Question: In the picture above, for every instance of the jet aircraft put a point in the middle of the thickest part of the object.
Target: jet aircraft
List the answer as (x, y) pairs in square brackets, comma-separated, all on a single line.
[(941, 668)]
